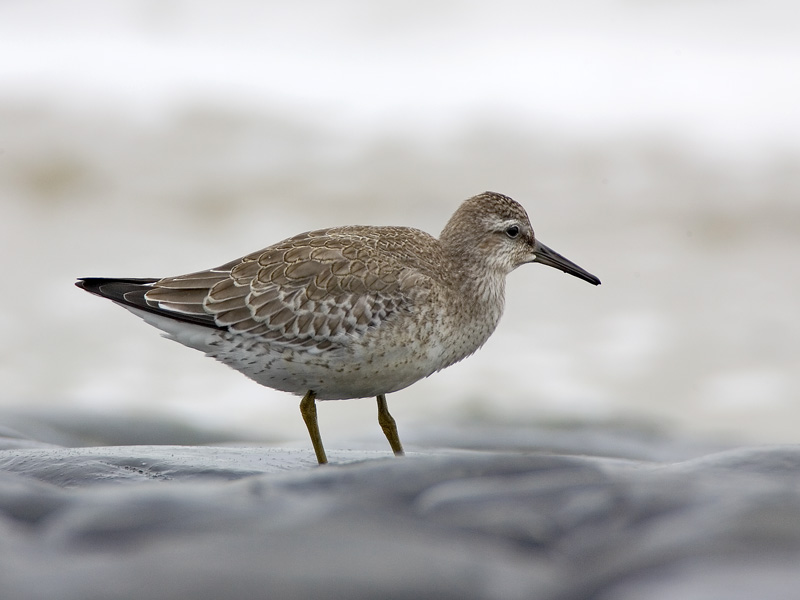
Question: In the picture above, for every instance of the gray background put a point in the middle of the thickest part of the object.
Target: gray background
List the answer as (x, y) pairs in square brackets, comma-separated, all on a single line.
[(654, 144)]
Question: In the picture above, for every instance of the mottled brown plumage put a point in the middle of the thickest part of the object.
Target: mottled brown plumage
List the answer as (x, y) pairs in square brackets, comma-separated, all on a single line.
[(326, 286), (349, 312)]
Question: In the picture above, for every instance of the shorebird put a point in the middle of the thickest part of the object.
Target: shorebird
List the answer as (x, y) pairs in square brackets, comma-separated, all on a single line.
[(348, 312)]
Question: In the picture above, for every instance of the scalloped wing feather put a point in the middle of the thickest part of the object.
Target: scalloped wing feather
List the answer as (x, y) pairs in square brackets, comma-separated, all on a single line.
[(317, 289)]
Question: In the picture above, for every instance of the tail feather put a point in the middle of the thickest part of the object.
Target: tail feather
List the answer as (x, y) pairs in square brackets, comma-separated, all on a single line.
[(131, 292)]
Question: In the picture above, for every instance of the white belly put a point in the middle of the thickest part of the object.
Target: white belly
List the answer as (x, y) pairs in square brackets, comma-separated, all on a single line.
[(380, 362)]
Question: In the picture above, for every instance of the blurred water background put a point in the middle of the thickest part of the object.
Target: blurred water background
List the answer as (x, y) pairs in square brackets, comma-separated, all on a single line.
[(655, 144)]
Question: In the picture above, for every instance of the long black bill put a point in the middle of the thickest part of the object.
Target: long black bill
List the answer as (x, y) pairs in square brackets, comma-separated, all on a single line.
[(551, 258)]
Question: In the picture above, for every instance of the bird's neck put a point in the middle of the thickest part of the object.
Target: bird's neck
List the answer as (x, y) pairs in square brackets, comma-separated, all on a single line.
[(481, 287)]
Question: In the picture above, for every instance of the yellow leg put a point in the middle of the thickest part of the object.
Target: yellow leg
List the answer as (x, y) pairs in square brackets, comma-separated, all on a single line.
[(308, 408), (389, 426)]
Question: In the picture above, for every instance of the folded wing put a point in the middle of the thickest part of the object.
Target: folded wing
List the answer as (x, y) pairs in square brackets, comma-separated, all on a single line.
[(316, 290)]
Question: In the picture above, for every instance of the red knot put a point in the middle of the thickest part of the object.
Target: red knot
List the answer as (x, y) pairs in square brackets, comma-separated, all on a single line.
[(348, 312)]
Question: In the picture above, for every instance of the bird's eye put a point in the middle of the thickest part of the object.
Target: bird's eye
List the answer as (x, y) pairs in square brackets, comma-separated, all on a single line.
[(512, 231)]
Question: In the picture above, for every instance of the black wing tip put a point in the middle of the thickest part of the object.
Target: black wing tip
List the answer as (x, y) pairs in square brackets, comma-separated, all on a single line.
[(112, 288), (90, 284), (130, 292)]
